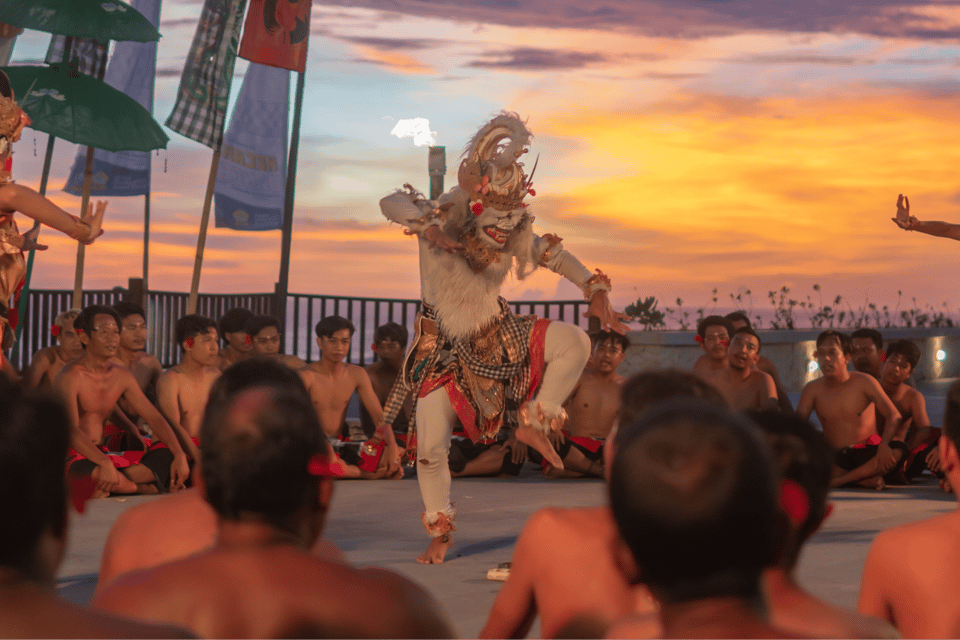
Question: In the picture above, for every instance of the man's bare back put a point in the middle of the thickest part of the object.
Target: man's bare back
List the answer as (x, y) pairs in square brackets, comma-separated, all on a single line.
[(564, 567), (182, 395)]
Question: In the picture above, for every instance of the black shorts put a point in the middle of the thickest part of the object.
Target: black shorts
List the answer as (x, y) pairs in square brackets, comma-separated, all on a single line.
[(158, 460), (463, 450), (849, 458)]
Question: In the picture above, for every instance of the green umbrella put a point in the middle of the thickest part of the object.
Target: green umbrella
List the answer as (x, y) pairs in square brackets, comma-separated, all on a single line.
[(84, 110), (100, 19)]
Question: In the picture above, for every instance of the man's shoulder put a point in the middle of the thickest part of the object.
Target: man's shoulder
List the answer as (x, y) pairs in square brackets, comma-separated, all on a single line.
[(551, 519), (47, 354)]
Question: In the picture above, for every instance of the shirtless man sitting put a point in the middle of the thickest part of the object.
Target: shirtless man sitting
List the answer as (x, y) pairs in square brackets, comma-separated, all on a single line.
[(390, 344), (146, 369), (48, 362), (263, 334), (803, 458), (844, 402), (713, 334), (35, 524), (232, 325), (739, 319), (182, 390), (911, 570), (742, 383), (564, 568), (693, 492), (868, 356), (591, 410), (91, 387), (183, 524), (331, 382), (267, 474)]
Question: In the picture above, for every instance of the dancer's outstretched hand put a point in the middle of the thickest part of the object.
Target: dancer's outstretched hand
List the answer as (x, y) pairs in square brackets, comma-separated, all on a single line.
[(609, 319), (904, 220), (437, 239), (30, 240), (95, 220)]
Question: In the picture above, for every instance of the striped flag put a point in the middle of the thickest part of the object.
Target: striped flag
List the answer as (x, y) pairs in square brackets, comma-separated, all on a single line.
[(132, 69), (91, 55), (201, 106)]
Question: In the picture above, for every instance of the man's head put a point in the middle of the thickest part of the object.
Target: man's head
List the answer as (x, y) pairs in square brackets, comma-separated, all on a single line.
[(744, 350), (867, 350), (262, 459), (133, 326), (714, 333), (333, 337), (803, 458), (390, 342), (264, 333), (833, 352), (253, 372), (99, 329), (232, 327), (197, 337), (609, 350), (66, 334), (738, 319), (902, 359), (33, 499), (692, 490)]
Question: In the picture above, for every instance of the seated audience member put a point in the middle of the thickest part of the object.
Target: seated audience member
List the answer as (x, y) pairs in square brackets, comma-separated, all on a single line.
[(591, 410), (743, 385), (738, 319), (841, 399), (131, 352), (915, 430), (331, 382), (390, 344), (232, 328), (693, 492), (803, 458), (48, 362), (266, 471), (182, 390), (263, 333), (563, 567), (713, 334), (911, 570), (35, 528), (90, 387), (867, 352), (183, 524)]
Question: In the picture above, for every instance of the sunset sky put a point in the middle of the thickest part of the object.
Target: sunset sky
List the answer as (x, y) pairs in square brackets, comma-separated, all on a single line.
[(684, 145)]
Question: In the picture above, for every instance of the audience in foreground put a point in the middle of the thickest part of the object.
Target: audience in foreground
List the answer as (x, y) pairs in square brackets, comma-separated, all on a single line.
[(911, 571), (267, 473), (34, 529)]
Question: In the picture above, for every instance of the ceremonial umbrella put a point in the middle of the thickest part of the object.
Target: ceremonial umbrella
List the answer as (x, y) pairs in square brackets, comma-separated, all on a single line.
[(100, 19)]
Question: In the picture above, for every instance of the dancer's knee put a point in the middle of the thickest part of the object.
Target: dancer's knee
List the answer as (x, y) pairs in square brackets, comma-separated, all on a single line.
[(566, 341)]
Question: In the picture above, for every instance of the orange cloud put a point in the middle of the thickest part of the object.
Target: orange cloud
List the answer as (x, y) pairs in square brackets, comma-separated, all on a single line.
[(393, 61)]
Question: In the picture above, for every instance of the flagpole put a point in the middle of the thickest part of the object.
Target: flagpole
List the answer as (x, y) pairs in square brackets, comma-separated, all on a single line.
[(287, 232), (204, 223), (146, 245)]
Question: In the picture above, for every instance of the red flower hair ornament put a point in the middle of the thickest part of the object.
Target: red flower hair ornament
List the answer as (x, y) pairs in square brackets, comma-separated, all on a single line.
[(55, 330)]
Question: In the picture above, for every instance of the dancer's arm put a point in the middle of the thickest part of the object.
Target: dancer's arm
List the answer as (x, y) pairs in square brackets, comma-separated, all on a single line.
[(931, 227), (86, 229)]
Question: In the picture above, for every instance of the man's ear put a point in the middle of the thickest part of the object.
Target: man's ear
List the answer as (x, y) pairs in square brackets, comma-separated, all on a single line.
[(948, 453), (623, 558), (374, 347)]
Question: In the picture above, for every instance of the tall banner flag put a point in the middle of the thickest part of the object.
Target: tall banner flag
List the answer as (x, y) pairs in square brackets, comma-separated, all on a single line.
[(132, 69), (8, 38), (252, 173), (90, 54), (201, 106), (276, 33)]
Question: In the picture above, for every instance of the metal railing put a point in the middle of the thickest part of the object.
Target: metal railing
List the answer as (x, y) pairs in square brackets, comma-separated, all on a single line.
[(302, 313)]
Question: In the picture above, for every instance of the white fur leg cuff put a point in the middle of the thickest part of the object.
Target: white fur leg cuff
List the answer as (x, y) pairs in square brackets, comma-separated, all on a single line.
[(439, 523), (542, 416)]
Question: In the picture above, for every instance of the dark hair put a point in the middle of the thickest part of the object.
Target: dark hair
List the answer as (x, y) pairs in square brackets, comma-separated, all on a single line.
[(256, 324), (126, 309), (692, 490), (84, 321), (612, 336), (331, 324), (738, 316), (750, 332), (391, 331), (905, 348), (254, 372), (803, 456), (872, 334), (951, 414), (192, 325), (34, 438), (233, 320), (710, 321), (256, 450), (846, 346), (645, 389)]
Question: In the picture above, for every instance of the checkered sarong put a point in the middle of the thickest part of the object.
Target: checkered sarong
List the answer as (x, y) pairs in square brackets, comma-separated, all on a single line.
[(450, 357), (201, 106)]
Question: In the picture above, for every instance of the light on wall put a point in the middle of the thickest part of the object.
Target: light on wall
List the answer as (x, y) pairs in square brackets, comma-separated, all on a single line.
[(941, 355), (813, 367)]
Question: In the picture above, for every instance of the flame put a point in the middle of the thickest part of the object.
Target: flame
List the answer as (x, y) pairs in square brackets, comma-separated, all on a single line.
[(416, 128)]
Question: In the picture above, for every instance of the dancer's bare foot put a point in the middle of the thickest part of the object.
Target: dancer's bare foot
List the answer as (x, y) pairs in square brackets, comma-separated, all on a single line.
[(437, 550), (531, 432), (876, 483)]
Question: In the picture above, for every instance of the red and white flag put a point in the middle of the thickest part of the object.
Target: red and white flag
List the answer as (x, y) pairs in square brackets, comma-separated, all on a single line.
[(276, 33)]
